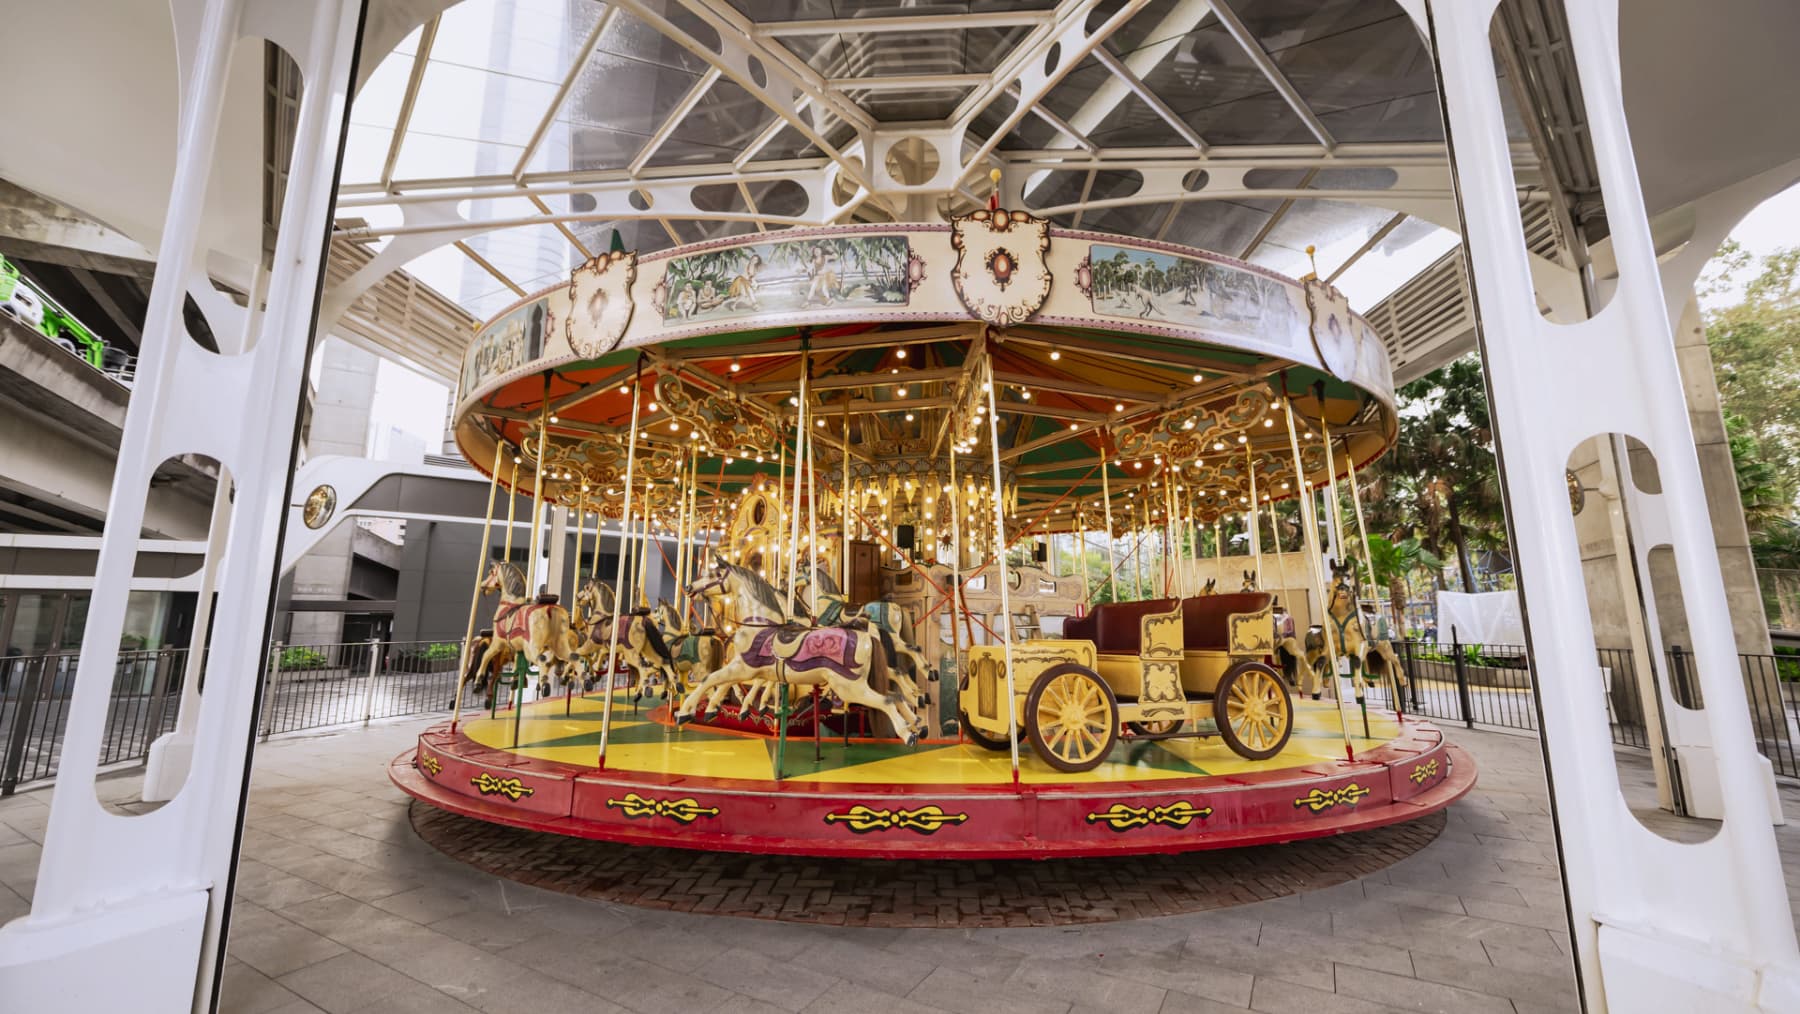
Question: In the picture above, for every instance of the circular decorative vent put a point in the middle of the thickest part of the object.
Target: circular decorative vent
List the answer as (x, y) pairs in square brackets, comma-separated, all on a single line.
[(321, 504)]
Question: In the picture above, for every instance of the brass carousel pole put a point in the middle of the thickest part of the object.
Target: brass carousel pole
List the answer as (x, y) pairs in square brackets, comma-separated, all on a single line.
[(1112, 563), (1012, 716), (1250, 516), (537, 525), (957, 615), (1356, 678), (844, 509), (612, 650), (575, 619), (1087, 594), (639, 588), (1312, 562), (487, 524), (1362, 530), (793, 554)]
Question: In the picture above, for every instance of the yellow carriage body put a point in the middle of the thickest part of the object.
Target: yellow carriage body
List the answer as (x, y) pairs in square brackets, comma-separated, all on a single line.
[(1165, 680)]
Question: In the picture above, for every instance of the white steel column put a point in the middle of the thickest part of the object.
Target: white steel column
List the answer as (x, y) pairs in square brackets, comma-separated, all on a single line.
[(1657, 925), (129, 912)]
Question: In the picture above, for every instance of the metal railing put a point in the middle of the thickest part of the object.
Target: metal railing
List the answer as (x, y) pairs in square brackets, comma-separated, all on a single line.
[(309, 687), (1490, 685)]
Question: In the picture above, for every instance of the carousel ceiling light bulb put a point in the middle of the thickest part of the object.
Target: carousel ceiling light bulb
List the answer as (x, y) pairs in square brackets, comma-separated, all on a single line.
[(1024, 394), (553, 418), (1198, 377), (674, 427), (624, 388), (900, 354), (1243, 439), (909, 417), (1055, 355), (899, 392), (1268, 423), (1118, 406), (1218, 445), (736, 366), (516, 459)]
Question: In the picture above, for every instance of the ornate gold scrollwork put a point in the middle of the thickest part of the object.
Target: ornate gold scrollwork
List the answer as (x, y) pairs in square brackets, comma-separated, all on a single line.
[(511, 788), (1320, 800), (685, 810), (924, 820), (1122, 818)]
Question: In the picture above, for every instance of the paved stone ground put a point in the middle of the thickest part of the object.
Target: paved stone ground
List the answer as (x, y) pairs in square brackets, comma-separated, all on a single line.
[(342, 908), (871, 892)]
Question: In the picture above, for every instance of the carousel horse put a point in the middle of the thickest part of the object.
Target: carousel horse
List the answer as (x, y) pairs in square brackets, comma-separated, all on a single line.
[(1372, 659), (1211, 587), (691, 652), (884, 616), (849, 662), (540, 628), (641, 645), (1249, 581), (484, 681)]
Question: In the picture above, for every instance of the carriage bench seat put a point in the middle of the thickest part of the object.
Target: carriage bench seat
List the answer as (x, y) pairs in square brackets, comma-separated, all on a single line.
[(1206, 619), (1116, 628)]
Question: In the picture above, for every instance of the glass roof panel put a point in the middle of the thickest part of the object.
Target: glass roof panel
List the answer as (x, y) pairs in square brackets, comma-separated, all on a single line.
[(810, 10), (1225, 227), (1336, 228), (1280, 24)]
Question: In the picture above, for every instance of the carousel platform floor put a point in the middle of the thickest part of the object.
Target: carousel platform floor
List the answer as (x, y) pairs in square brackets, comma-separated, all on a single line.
[(703, 788)]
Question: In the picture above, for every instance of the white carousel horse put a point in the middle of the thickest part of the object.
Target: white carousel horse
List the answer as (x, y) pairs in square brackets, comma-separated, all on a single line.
[(846, 661), (539, 629), (1352, 641), (641, 645), (692, 653), (910, 665)]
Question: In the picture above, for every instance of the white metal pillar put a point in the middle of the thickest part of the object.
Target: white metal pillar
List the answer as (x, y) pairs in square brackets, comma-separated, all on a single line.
[(1656, 925), (129, 912)]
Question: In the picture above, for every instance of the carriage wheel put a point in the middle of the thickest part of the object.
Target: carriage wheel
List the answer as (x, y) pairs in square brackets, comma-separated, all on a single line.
[(980, 738), (1162, 728), (1254, 712), (1071, 717)]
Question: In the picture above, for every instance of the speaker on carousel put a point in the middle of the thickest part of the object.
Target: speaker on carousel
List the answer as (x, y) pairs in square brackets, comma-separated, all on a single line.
[(1041, 551), (903, 536)]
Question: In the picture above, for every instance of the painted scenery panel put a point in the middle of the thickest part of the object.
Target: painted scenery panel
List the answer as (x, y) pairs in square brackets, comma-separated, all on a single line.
[(1187, 292), (507, 344), (836, 272)]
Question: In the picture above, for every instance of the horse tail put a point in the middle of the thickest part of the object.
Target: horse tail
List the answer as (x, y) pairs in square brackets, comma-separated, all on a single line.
[(654, 638), (477, 650)]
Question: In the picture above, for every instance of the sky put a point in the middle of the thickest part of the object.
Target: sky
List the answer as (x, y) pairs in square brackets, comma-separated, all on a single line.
[(417, 404)]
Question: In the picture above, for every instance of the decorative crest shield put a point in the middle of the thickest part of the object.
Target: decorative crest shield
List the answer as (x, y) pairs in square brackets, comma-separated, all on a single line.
[(600, 303), (1000, 273), (1333, 329)]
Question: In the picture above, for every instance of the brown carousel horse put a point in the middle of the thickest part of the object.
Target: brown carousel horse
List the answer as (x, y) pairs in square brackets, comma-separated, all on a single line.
[(539, 628), (1373, 659), (849, 662), (641, 645)]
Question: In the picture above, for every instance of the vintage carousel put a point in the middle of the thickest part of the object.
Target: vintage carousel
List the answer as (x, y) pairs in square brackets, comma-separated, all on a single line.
[(909, 522)]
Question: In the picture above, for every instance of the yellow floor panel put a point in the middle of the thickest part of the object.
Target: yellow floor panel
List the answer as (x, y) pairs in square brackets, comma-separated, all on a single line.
[(638, 744)]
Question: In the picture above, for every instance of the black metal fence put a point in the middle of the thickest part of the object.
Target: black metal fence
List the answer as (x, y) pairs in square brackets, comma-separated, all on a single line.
[(1490, 685), (309, 687)]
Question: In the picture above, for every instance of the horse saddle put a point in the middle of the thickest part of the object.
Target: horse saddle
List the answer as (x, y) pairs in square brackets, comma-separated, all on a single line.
[(639, 611), (804, 649), (485, 632), (548, 598)]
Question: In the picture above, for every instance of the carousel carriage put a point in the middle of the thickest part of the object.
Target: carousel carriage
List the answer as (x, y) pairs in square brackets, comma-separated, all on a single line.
[(1150, 667)]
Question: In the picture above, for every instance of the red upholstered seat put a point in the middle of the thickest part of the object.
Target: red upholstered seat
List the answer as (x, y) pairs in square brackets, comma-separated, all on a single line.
[(1206, 619), (1115, 627)]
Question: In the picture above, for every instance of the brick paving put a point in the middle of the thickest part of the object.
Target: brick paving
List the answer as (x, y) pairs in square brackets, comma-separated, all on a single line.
[(921, 892)]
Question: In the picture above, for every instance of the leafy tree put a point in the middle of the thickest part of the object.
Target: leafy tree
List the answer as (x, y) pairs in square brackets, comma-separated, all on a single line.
[(1755, 345), (1439, 483)]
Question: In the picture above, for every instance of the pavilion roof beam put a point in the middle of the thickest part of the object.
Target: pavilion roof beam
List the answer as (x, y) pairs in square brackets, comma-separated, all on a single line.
[(1234, 26), (1150, 98), (1061, 385), (673, 120), (1062, 126), (493, 188), (1181, 19), (1035, 50), (408, 99), (1380, 234), (1275, 219), (906, 82), (484, 264), (778, 64), (576, 66), (903, 23)]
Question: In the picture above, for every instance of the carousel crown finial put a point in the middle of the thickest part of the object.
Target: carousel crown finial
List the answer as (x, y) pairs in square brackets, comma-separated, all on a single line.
[(994, 195), (1312, 260), (618, 243)]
